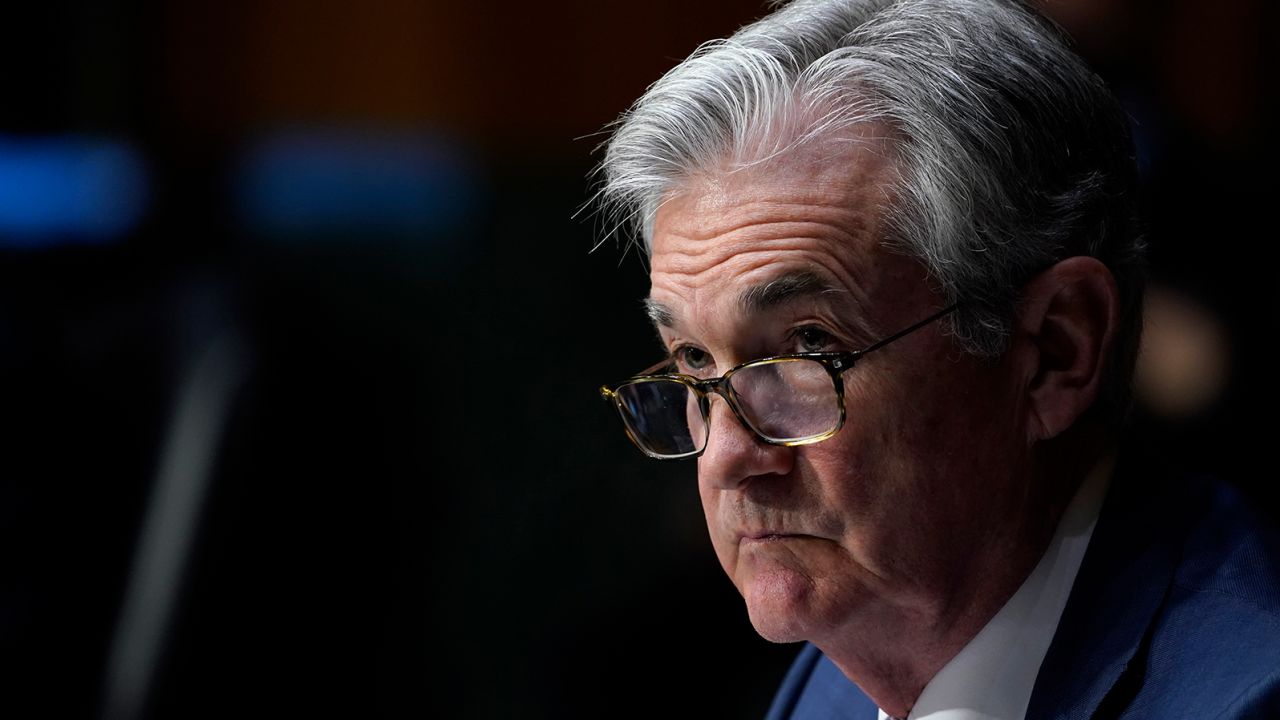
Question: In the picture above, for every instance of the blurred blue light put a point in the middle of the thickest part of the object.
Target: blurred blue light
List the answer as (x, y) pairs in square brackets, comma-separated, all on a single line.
[(55, 190), (335, 182)]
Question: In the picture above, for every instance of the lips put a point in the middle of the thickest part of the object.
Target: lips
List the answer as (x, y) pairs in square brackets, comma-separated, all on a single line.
[(770, 536)]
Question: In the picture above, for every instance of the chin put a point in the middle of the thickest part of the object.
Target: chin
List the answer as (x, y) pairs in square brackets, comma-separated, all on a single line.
[(780, 605), (776, 629)]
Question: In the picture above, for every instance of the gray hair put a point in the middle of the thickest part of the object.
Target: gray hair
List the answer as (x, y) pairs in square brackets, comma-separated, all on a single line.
[(1011, 153)]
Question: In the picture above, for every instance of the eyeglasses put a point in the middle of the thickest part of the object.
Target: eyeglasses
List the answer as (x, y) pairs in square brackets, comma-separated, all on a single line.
[(786, 400)]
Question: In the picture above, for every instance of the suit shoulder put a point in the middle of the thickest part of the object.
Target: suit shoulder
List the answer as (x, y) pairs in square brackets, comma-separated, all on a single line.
[(1214, 643), (1231, 555)]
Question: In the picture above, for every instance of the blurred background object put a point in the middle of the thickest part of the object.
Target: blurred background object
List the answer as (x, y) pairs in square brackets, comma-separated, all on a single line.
[(299, 342), (1184, 357)]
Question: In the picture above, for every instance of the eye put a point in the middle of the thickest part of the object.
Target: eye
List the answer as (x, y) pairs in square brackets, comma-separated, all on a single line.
[(811, 338), (691, 359)]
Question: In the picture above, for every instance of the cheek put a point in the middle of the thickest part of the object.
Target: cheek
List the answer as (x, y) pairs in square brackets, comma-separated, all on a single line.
[(844, 472), (932, 447), (860, 464), (912, 416), (884, 469), (860, 492)]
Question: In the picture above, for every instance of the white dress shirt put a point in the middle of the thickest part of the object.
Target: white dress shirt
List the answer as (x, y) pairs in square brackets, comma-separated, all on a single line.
[(991, 678)]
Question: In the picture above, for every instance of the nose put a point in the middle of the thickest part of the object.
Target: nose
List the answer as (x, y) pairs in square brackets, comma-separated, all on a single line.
[(735, 454)]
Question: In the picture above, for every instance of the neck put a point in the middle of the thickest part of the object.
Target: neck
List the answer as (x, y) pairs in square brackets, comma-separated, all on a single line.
[(893, 651)]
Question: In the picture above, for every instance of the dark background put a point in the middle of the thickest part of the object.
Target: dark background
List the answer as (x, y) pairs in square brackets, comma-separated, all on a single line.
[(355, 278)]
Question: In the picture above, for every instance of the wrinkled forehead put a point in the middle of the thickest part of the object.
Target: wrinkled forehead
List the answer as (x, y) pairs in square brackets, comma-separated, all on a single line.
[(819, 213)]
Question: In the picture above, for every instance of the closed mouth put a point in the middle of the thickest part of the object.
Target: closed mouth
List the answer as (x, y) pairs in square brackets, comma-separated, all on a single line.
[(769, 535)]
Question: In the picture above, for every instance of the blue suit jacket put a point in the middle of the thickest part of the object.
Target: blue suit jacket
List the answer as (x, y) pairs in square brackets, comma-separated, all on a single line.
[(1175, 613)]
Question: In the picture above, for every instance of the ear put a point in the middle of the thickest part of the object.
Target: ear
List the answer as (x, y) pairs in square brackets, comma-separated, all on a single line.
[(1066, 325)]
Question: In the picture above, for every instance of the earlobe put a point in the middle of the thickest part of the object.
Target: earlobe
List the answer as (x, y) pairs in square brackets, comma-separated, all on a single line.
[(1067, 318)]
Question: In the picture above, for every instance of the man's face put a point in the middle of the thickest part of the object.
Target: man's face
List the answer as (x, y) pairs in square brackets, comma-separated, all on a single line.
[(884, 522)]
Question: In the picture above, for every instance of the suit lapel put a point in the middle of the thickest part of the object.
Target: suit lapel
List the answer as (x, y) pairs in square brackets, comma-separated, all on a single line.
[(815, 689), (835, 697), (1122, 583)]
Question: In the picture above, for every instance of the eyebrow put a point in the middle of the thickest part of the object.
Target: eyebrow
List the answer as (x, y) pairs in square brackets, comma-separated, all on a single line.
[(757, 298), (659, 314), (782, 290)]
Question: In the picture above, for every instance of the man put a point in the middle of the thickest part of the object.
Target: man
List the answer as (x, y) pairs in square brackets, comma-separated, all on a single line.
[(897, 272)]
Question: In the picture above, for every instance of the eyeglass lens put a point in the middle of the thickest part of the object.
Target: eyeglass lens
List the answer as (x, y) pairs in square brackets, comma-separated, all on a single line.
[(663, 416), (787, 400), (784, 401)]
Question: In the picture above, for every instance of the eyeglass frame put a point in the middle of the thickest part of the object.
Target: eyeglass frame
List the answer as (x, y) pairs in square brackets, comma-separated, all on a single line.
[(835, 363)]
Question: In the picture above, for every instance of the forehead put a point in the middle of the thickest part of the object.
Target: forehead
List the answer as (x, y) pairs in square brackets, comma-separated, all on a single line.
[(821, 211)]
